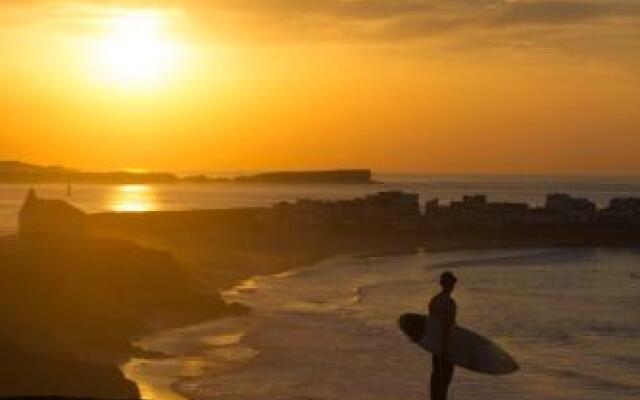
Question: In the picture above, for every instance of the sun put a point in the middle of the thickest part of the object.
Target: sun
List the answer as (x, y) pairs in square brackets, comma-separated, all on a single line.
[(136, 50)]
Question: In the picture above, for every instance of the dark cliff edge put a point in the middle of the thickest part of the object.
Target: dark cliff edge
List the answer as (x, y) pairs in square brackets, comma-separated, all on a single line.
[(24, 373), (69, 311)]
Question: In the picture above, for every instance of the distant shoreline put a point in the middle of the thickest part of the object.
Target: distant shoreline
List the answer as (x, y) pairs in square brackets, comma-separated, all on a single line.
[(16, 172)]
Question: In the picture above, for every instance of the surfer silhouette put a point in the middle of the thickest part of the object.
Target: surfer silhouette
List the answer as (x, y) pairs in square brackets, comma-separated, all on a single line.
[(443, 308)]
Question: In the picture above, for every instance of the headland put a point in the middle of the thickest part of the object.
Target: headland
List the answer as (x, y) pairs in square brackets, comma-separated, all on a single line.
[(20, 172)]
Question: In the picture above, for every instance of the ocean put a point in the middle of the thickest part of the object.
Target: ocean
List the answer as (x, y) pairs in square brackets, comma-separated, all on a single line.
[(328, 331), (185, 196)]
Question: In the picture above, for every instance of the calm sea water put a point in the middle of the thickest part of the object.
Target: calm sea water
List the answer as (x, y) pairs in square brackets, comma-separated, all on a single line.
[(570, 317), (128, 198)]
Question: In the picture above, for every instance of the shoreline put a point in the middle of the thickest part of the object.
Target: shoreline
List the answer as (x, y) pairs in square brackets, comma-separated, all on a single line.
[(141, 355), (174, 382), (276, 315)]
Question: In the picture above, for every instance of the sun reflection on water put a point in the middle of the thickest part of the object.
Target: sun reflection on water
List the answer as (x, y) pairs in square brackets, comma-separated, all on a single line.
[(133, 198)]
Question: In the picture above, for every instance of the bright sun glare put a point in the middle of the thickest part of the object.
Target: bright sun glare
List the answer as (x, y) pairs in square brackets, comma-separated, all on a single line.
[(136, 50), (132, 198)]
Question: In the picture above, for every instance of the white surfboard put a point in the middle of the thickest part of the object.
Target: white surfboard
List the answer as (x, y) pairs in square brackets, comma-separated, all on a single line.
[(466, 348)]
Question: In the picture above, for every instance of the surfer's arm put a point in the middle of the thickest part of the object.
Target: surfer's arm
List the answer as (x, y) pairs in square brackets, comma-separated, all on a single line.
[(447, 327), (446, 334)]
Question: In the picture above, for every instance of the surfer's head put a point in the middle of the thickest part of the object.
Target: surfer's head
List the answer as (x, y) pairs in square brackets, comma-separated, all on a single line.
[(448, 281)]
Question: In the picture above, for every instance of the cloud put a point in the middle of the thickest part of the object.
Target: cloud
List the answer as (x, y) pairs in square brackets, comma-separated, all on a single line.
[(483, 23), (350, 9), (379, 20), (564, 12), (354, 9)]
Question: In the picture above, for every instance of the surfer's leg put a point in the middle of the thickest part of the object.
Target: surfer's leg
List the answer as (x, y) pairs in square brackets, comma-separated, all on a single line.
[(438, 384), (441, 376), (434, 378), (447, 376)]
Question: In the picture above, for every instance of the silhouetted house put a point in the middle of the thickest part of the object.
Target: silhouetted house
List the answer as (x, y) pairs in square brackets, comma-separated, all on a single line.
[(50, 219), (572, 209)]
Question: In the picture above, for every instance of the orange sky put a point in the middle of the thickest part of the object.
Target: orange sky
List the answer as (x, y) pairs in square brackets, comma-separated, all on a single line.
[(418, 86)]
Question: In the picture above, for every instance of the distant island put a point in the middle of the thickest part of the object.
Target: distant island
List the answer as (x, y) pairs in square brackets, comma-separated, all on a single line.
[(21, 172), (330, 176)]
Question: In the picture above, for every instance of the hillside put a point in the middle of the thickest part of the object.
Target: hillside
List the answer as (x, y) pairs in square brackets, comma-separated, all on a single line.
[(79, 305)]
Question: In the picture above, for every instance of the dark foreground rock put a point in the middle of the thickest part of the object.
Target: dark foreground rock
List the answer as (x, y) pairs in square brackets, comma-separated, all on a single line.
[(22, 373), (69, 311)]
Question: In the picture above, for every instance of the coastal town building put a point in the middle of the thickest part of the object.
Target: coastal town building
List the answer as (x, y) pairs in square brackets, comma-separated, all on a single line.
[(623, 207), (382, 208), (399, 209), (621, 210), (474, 211), (573, 209), (49, 219)]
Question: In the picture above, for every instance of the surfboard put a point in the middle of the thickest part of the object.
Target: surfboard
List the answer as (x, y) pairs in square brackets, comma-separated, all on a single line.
[(467, 349)]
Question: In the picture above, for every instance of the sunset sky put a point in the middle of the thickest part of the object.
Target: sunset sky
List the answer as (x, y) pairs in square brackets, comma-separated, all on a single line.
[(447, 86)]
